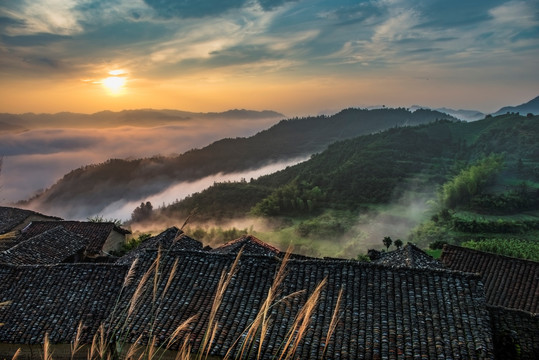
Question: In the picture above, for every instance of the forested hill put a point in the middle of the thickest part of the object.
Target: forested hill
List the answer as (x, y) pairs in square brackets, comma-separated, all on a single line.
[(92, 188), (376, 168)]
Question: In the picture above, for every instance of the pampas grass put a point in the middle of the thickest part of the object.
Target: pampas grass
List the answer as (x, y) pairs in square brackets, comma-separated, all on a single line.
[(109, 342)]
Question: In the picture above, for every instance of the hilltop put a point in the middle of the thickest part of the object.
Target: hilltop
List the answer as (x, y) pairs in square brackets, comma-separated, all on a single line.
[(531, 106), (117, 180), (109, 119), (383, 174)]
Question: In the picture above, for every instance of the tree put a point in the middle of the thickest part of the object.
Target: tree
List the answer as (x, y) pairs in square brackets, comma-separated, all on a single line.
[(398, 243), (100, 218), (142, 212), (387, 242)]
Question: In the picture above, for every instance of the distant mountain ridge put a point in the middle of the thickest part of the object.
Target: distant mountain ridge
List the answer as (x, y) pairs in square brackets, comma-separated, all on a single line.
[(138, 117), (531, 106), (374, 169), (97, 186)]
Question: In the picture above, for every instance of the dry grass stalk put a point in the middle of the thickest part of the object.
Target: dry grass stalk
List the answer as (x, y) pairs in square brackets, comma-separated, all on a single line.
[(184, 353), (262, 320), (301, 323), (333, 324), (93, 347), (156, 274), (224, 281), (140, 287), (102, 344), (151, 348), (170, 277), (182, 327), (17, 354), (47, 354), (75, 345), (133, 349), (4, 304), (130, 274), (193, 212)]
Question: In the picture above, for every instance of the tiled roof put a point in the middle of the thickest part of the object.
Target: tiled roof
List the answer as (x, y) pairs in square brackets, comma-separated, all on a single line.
[(249, 245), (509, 282), (51, 247), (409, 256), (516, 333), (54, 299), (96, 232), (386, 313), (11, 217), (170, 239)]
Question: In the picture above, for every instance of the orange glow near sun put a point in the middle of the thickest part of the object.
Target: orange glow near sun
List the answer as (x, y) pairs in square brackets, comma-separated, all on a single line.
[(115, 83)]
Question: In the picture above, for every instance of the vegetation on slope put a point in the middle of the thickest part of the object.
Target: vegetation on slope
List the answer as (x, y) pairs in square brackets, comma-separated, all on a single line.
[(486, 168), (126, 180)]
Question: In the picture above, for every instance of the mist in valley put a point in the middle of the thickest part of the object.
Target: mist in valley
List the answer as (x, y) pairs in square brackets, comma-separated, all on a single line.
[(334, 234), (176, 192), (35, 159)]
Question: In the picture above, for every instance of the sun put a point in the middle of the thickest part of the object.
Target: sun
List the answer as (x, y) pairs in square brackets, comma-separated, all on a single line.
[(115, 83)]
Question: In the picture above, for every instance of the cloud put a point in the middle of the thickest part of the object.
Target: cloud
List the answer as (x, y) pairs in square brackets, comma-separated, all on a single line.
[(272, 4), (169, 42), (41, 39), (178, 191), (209, 8), (46, 16), (193, 8), (36, 159)]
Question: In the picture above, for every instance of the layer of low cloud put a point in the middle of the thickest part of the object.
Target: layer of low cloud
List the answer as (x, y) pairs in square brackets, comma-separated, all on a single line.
[(36, 159), (176, 192)]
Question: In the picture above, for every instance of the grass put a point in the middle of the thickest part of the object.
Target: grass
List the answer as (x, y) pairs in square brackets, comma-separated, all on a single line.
[(110, 342)]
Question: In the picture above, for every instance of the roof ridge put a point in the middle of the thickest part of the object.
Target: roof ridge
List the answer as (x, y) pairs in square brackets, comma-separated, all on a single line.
[(488, 253), (505, 308), (324, 261), (44, 233), (66, 265)]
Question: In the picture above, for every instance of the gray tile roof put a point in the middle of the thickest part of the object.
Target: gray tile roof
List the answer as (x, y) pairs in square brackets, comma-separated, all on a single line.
[(385, 312), (251, 245), (509, 282), (96, 232), (170, 239), (515, 333), (409, 256), (50, 247), (54, 299), (11, 217)]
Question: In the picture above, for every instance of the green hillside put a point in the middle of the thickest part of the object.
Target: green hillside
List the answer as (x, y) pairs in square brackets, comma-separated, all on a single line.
[(382, 174), (97, 186)]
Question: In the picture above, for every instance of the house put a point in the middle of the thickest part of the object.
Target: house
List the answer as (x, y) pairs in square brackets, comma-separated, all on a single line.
[(409, 256), (509, 282), (53, 300), (249, 244), (53, 246), (103, 237), (13, 220), (170, 239), (512, 296), (385, 313), (360, 310)]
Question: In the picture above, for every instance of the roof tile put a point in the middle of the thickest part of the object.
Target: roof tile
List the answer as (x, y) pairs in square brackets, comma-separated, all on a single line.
[(509, 282)]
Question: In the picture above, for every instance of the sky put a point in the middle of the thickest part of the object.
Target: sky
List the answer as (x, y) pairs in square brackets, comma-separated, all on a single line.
[(298, 57)]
